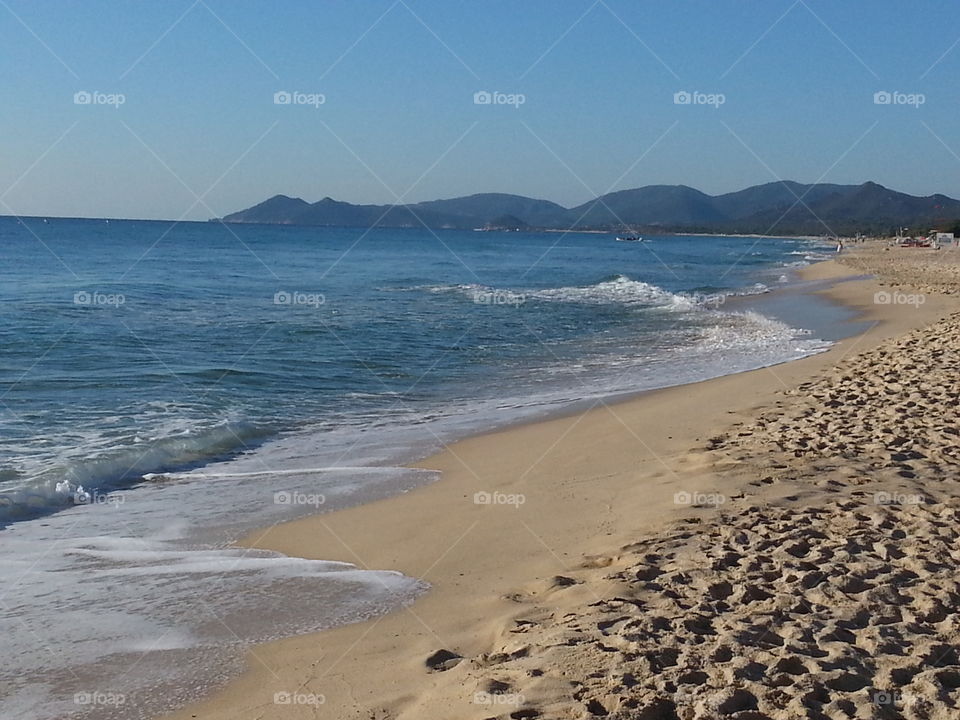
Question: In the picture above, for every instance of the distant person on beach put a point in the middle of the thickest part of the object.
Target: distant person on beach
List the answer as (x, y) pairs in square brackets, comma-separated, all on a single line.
[(839, 244)]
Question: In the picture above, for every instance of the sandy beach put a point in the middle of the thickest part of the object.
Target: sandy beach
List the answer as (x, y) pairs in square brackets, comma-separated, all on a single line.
[(780, 543), (424, 360)]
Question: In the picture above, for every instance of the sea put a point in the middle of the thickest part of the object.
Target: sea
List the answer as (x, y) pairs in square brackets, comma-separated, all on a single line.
[(166, 388)]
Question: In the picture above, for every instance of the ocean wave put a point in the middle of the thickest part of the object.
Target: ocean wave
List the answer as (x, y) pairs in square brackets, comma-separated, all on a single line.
[(97, 479), (755, 289), (811, 255), (753, 331), (617, 289)]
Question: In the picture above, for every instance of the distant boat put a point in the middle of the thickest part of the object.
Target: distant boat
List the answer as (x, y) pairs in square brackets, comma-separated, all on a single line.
[(629, 238)]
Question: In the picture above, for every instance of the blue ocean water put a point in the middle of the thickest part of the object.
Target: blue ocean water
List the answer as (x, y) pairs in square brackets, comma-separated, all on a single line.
[(165, 387)]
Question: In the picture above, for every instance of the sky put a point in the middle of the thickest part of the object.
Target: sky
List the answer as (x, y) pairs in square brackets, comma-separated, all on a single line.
[(177, 109)]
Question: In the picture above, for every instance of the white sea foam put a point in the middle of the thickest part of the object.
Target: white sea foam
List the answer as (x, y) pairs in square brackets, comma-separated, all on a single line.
[(756, 333), (104, 600), (619, 290)]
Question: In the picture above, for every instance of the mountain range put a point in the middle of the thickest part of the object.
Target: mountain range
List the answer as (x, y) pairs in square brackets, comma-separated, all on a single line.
[(783, 207)]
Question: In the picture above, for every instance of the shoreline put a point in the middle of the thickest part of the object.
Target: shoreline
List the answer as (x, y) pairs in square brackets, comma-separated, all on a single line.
[(591, 481)]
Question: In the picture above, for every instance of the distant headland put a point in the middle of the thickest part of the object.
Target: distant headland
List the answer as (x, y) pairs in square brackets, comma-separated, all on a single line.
[(783, 207)]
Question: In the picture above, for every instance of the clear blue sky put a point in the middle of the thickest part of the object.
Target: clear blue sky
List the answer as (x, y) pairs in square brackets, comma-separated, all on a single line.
[(198, 79)]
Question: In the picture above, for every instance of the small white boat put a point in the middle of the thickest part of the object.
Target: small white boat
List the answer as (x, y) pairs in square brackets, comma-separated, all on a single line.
[(629, 238)]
